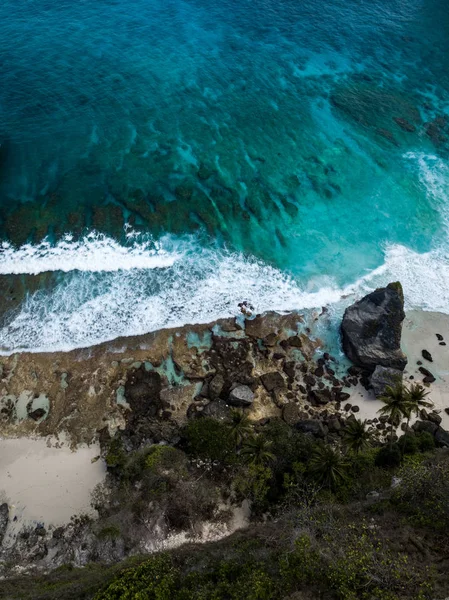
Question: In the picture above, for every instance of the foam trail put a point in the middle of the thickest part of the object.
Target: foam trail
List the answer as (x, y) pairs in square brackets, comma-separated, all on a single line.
[(95, 252)]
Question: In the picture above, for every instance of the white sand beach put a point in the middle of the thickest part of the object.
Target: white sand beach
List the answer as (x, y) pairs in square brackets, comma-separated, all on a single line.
[(46, 484)]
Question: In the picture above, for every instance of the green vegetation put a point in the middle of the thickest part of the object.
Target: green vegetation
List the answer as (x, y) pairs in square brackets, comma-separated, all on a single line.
[(329, 536)]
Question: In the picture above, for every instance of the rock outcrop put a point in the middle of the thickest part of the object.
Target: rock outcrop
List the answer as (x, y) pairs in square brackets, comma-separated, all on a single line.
[(383, 377), (371, 329)]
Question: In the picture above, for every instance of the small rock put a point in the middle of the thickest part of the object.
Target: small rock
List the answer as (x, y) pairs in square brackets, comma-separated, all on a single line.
[(37, 414), (428, 376), (290, 413), (272, 380), (4, 520), (442, 343), (439, 337), (446, 410), (423, 414), (217, 409), (216, 385), (355, 408), (347, 407), (241, 395), (426, 354)]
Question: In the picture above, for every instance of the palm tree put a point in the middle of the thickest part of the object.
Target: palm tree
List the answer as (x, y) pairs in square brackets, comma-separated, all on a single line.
[(356, 435), (328, 467), (396, 403), (257, 450), (240, 426), (415, 395)]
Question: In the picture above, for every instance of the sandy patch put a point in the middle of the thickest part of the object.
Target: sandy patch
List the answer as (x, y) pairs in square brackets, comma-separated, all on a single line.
[(419, 333), (46, 484)]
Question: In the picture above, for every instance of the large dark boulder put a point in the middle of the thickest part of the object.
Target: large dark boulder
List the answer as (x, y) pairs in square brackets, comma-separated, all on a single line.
[(371, 329), (383, 377)]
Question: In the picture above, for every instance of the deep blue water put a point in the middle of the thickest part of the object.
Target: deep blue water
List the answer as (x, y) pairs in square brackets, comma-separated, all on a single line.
[(285, 152)]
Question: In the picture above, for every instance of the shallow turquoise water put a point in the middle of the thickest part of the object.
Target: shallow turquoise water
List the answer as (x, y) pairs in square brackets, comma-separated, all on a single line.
[(285, 152)]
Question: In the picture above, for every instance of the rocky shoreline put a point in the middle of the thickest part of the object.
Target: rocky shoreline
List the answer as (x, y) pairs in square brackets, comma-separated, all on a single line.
[(141, 392)]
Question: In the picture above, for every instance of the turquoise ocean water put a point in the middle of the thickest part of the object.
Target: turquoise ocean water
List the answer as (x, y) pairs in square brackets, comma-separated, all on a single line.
[(162, 160)]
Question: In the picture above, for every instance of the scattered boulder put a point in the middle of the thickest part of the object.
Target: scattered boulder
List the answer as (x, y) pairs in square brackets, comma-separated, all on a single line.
[(355, 409), (383, 377), (241, 395), (371, 329), (428, 376), (272, 380), (426, 354), (440, 338)]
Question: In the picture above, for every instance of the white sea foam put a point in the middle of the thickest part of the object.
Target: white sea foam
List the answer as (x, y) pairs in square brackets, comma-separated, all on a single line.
[(93, 253), (110, 290)]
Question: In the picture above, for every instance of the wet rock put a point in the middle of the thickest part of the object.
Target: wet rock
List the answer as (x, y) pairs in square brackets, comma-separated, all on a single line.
[(4, 520), (241, 395), (446, 410), (272, 380), (342, 396), (37, 414), (291, 413), (426, 354), (355, 409), (371, 329), (347, 407), (314, 427), (383, 377), (442, 344), (217, 409), (440, 338)]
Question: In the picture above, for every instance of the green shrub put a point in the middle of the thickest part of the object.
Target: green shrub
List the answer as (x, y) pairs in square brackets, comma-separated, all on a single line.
[(210, 439), (426, 441), (388, 456), (408, 443), (423, 493)]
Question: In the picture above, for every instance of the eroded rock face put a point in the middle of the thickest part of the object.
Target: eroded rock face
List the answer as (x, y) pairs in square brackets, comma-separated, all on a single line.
[(371, 329), (4, 520)]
